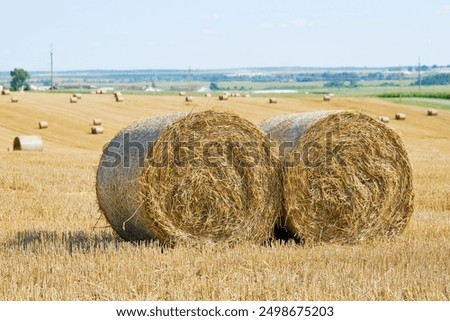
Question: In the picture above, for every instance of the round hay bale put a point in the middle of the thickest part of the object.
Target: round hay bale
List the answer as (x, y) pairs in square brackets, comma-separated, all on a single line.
[(73, 100), (6, 92), (95, 130), (220, 181), (223, 97), (77, 96), (189, 99), (120, 167), (96, 122), (273, 101), (246, 95), (383, 119), (182, 93), (28, 143), (432, 112), (43, 124), (119, 99), (14, 99), (207, 95), (400, 116), (347, 176), (326, 97), (117, 94)]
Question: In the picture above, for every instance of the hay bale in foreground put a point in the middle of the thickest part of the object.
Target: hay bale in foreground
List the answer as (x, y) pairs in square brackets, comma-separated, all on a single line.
[(28, 143), (95, 130), (347, 177), (400, 116), (43, 124), (383, 119), (14, 99), (96, 122), (432, 112), (210, 177)]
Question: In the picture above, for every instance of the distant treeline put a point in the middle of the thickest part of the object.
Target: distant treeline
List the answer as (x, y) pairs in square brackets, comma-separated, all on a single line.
[(436, 79)]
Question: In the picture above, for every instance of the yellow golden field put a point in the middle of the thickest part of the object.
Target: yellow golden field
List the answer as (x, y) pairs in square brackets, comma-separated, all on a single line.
[(55, 245)]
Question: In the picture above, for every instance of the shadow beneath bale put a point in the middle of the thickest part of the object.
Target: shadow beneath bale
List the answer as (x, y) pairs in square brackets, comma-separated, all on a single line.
[(283, 236), (71, 241)]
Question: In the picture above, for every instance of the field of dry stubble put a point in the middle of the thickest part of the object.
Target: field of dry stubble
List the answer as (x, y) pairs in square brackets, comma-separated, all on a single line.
[(54, 244)]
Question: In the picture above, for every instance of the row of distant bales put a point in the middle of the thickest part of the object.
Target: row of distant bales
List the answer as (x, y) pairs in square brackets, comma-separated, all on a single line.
[(97, 122)]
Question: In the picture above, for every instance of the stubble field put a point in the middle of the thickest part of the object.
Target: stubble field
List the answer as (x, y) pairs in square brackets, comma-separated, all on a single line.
[(55, 245)]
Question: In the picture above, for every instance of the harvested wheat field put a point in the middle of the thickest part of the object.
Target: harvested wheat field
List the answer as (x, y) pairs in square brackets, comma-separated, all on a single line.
[(56, 245)]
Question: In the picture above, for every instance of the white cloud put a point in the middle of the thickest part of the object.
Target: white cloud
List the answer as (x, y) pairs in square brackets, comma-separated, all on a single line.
[(299, 22)]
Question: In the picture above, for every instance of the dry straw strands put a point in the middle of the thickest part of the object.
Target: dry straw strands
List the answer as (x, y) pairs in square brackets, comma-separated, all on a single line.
[(432, 112), (210, 177), (96, 122), (95, 130), (189, 99), (43, 124), (273, 100), (28, 143), (14, 99), (73, 99), (400, 116), (347, 177), (383, 119), (118, 189)]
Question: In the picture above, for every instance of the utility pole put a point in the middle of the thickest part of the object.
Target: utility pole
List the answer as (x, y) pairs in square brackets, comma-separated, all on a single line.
[(51, 67), (189, 78), (400, 81), (420, 78)]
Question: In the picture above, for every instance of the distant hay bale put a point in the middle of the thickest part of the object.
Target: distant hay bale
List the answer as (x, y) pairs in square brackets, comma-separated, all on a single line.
[(400, 116), (331, 95), (182, 93), (273, 100), (223, 97), (73, 99), (43, 124), (347, 176), (383, 119), (77, 96), (247, 95), (326, 97), (207, 95), (119, 99), (189, 99), (28, 143), (117, 94), (209, 177), (432, 112), (6, 92), (14, 99), (237, 94), (96, 121), (95, 130)]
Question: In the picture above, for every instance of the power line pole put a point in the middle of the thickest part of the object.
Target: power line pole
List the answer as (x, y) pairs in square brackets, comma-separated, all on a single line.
[(420, 78), (400, 81), (51, 67)]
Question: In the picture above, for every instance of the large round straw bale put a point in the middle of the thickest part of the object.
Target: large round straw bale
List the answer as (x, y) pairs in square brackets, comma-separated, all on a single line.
[(383, 119), (119, 99), (118, 176), (77, 96), (273, 100), (326, 97), (117, 93), (14, 99), (400, 116), (95, 130), (73, 99), (223, 97), (347, 177), (6, 92), (432, 112), (96, 121), (210, 176), (28, 143), (189, 99), (182, 93), (43, 124)]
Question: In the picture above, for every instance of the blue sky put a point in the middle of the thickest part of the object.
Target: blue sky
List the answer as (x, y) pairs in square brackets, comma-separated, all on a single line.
[(175, 34)]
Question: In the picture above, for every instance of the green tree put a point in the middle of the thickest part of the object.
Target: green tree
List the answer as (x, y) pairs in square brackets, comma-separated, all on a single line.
[(213, 86), (19, 78)]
